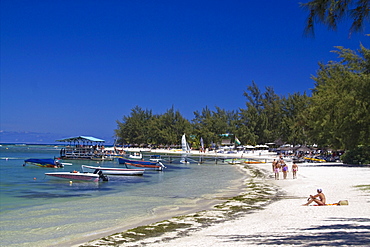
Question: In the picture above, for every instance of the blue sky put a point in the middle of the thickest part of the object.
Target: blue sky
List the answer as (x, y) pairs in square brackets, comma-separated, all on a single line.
[(73, 67)]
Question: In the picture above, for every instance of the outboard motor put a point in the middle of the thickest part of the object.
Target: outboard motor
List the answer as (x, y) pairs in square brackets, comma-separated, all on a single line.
[(59, 164), (161, 164), (102, 176)]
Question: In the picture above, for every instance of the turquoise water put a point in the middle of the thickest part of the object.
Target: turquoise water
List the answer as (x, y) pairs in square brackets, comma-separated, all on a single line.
[(44, 211)]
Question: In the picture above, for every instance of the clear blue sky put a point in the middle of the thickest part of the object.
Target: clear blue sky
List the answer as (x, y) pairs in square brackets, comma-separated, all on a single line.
[(74, 67)]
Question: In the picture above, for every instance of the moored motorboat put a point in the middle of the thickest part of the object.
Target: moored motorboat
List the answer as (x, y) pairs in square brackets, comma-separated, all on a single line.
[(250, 161), (136, 155), (154, 167), (50, 163), (313, 159), (81, 176), (155, 158), (102, 158), (184, 161), (114, 171), (234, 161), (141, 164)]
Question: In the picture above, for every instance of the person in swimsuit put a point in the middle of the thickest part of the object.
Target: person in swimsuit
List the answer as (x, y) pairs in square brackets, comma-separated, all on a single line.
[(319, 198), (276, 168), (285, 170), (294, 169), (273, 167)]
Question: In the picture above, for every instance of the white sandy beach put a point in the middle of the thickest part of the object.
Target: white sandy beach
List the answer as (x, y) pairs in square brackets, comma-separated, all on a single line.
[(285, 221)]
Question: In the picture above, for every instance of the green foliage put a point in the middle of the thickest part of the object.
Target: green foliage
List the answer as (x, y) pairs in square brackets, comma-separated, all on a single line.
[(294, 120), (336, 115), (269, 117), (168, 128), (339, 111), (134, 128), (330, 12), (142, 127), (210, 124), (358, 155)]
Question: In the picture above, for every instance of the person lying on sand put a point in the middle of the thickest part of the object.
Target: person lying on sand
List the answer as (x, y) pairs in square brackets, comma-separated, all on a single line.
[(321, 201)]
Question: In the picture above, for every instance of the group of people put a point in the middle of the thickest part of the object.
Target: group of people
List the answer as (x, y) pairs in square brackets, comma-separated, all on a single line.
[(280, 166)]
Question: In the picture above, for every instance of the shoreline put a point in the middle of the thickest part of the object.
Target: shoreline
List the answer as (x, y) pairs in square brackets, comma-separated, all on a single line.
[(206, 202), (276, 218), (253, 194)]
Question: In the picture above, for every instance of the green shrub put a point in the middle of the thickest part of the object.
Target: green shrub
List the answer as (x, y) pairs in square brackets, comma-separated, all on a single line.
[(356, 156)]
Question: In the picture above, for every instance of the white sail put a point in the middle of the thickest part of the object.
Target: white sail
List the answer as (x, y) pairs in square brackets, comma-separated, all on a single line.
[(184, 145)]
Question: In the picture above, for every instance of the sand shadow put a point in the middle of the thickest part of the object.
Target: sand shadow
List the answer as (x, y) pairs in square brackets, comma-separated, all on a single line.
[(347, 234)]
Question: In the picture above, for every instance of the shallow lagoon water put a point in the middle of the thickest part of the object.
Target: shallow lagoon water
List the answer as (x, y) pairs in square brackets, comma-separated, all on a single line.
[(43, 211)]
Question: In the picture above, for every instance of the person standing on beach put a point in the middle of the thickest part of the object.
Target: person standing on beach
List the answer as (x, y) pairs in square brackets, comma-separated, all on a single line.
[(276, 168), (319, 198), (273, 165), (285, 170), (294, 170)]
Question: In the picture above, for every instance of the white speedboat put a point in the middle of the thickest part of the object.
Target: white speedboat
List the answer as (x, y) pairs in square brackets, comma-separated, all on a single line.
[(114, 171), (136, 156), (82, 176)]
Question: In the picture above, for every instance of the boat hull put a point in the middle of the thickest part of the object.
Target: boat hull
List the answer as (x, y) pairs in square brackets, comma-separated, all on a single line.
[(145, 167), (141, 164), (136, 156), (234, 161), (102, 158), (253, 161), (75, 176), (49, 163), (115, 171)]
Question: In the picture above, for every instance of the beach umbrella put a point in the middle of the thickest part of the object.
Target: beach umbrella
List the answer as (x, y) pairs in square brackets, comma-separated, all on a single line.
[(304, 149)]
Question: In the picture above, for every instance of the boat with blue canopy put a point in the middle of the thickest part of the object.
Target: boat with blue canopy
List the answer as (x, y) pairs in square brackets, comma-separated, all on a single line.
[(50, 163)]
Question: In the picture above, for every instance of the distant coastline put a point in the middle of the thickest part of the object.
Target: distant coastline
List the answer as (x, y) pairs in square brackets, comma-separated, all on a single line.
[(36, 138)]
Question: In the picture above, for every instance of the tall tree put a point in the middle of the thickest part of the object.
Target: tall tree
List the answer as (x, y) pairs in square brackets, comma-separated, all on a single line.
[(211, 124), (294, 120), (330, 12), (340, 108), (203, 125), (169, 127), (260, 122), (250, 117), (134, 128)]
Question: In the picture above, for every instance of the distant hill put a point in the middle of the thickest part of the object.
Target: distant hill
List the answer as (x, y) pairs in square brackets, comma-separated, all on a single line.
[(36, 138)]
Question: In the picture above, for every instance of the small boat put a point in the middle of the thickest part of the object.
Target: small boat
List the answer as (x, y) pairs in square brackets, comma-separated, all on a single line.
[(102, 158), (50, 163), (81, 176), (141, 164), (314, 159), (136, 155), (234, 161), (114, 171), (249, 161), (155, 167), (184, 161), (155, 158), (184, 144)]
